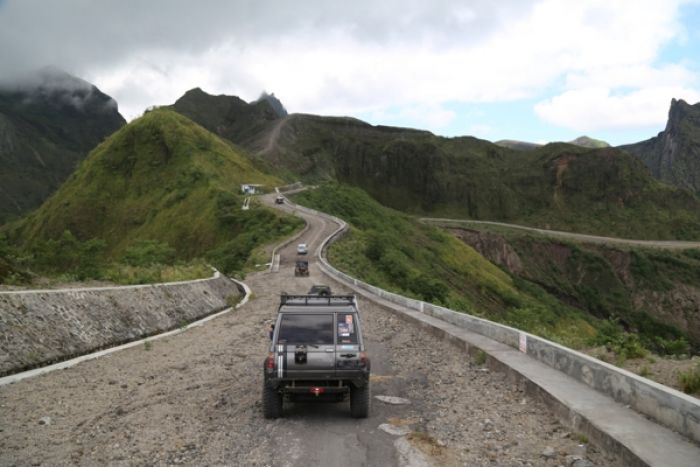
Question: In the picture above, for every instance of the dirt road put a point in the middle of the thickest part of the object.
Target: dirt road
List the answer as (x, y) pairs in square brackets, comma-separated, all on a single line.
[(194, 399), (664, 244)]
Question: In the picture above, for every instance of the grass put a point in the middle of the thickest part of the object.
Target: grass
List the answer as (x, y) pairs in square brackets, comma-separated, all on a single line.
[(480, 358), (125, 274), (606, 281), (690, 380), (393, 251), (558, 186), (160, 191)]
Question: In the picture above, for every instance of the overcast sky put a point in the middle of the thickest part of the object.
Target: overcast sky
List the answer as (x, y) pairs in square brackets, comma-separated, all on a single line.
[(530, 70)]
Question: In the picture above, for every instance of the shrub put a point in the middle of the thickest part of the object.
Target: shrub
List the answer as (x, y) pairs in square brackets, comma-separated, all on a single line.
[(690, 380), (149, 252)]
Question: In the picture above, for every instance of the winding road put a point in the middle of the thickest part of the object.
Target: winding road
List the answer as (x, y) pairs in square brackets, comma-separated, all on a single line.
[(193, 398), (663, 244)]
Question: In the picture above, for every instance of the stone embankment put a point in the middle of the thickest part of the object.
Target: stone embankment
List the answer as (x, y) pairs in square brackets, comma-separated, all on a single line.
[(46, 326)]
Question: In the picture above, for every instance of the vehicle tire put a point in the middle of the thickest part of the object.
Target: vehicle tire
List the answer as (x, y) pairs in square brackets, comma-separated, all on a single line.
[(359, 401), (272, 402)]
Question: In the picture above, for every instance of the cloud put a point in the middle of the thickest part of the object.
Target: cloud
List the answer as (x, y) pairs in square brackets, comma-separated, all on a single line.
[(591, 109), (353, 57)]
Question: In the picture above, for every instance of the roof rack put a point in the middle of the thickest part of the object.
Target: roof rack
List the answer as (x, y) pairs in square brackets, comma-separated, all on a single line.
[(316, 300)]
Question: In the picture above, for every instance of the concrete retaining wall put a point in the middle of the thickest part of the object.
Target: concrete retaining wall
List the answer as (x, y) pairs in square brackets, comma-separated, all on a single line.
[(42, 327), (662, 404)]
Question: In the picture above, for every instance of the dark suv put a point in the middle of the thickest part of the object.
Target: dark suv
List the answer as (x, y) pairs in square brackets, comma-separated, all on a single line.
[(317, 352)]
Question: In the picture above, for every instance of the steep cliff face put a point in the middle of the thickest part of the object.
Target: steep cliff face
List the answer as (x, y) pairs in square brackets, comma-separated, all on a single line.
[(48, 123), (673, 156), (648, 291)]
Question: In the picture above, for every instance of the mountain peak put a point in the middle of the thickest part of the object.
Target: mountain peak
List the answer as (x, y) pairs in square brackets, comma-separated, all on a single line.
[(53, 87), (588, 142), (674, 154), (275, 103)]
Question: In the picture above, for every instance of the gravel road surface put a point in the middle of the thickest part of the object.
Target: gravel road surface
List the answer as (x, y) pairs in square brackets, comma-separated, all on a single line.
[(586, 238), (194, 399)]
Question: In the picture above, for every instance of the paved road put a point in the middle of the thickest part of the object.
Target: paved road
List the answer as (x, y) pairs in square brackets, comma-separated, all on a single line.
[(669, 245), (194, 398)]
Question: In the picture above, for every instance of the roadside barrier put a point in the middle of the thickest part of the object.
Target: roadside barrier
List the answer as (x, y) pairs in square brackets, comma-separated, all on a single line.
[(666, 406)]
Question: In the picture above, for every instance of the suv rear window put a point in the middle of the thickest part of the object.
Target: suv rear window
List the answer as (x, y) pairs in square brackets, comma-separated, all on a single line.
[(306, 329), (347, 328)]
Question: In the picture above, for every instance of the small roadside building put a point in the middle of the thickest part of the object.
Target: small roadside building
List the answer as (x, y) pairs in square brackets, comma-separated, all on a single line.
[(250, 188)]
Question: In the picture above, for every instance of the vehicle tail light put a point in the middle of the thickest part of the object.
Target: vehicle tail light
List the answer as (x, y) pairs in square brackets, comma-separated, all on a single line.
[(270, 364), (363, 358), (317, 391)]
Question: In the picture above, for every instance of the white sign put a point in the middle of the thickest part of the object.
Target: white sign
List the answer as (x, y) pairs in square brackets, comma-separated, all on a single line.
[(523, 342)]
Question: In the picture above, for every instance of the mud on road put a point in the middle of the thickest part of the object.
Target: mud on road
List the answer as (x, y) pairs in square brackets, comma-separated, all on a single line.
[(194, 399)]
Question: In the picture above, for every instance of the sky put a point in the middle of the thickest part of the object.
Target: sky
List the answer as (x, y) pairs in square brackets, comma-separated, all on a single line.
[(539, 71)]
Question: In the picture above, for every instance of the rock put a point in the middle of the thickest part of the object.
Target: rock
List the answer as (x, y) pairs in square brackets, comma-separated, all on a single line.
[(393, 400), (394, 430), (582, 463), (409, 456), (580, 451), (549, 453), (45, 421)]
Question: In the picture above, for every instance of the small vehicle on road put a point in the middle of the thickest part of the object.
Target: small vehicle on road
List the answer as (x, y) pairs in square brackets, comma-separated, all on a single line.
[(320, 290), (301, 268), (317, 353), (279, 200), (302, 249)]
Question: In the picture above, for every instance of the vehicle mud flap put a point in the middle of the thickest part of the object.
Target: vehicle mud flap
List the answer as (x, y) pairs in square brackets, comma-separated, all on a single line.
[(281, 361)]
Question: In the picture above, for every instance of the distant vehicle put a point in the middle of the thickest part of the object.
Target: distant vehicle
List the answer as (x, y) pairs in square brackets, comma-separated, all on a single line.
[(320, 290), (302, 249), (279, 200), (317, 353), (301, 268)]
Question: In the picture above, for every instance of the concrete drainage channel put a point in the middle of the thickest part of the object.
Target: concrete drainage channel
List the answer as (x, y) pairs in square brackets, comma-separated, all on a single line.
[(639, 421), (72, 360)]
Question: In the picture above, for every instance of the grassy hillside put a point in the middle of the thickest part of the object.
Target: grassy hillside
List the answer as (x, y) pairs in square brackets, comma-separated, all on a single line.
[(164, 179), (576, 296), (393, 251), (562, 186)]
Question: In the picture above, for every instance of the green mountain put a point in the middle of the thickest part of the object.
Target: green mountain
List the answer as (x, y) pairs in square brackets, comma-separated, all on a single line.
[(561, 186), (48, 123), (673, 156), (587, 142), (517, 145), (162, 178), (229, 116), (583, 141)]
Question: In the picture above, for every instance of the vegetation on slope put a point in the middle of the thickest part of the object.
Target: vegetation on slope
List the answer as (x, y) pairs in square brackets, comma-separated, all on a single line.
[(164, 179), (391, 250), (650, 293), (601, 191)]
